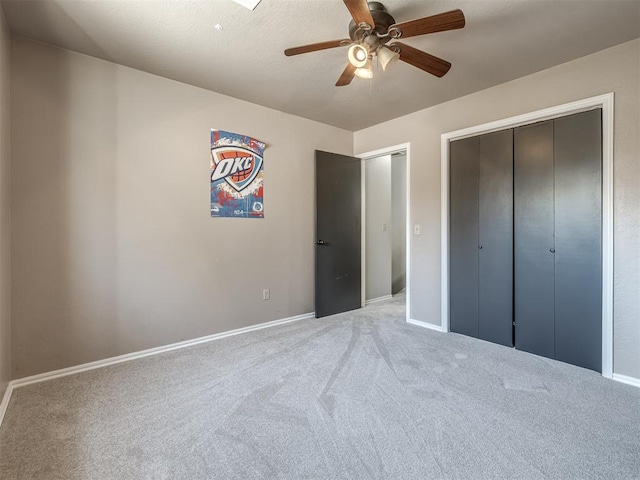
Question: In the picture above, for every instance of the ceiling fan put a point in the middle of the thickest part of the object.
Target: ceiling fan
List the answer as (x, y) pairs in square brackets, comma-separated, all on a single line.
[(374, 32)]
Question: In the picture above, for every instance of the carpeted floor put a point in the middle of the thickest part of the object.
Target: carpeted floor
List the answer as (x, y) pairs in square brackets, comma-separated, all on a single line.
[(358, 395)]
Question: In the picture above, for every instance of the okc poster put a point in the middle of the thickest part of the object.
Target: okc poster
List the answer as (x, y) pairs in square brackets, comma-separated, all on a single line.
[(236, 175)]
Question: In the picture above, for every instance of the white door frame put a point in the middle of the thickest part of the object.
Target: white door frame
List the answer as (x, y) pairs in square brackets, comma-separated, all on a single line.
[(606, 102), (378, 153)]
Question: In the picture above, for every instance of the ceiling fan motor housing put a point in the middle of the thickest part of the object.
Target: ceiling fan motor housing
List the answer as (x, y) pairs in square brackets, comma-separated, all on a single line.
[(383, 20), (370, 31)]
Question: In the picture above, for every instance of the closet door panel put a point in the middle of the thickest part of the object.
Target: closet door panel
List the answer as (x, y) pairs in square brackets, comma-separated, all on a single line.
[(578, 227), (463, 229), (496, 237), (534, 240)]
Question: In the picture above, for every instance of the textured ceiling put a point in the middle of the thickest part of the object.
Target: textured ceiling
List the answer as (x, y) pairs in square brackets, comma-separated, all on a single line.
[(503, 40)]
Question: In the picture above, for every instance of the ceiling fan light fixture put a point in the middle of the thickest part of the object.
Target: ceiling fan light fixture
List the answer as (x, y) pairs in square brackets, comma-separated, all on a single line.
[(387, 57), (365, 71), (358, 55), (371, 27)]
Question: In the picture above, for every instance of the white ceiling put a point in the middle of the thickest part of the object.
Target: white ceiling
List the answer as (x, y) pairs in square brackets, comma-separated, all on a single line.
[(503, 40)]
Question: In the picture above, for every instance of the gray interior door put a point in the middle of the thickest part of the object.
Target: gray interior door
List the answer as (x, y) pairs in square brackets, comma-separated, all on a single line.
[(534, 239), (526, 238), (495, 227), (338, 284), (578, 231), (463, 236), (481, 237), (558, 239)]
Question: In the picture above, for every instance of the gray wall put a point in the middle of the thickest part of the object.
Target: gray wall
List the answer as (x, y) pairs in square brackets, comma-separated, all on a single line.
[(5, 218), (398, 222), (378, 213), (613, 70), (113, 247)]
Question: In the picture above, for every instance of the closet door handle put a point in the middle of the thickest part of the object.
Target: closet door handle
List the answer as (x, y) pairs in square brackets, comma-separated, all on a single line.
[(480, 247), (552, 250)]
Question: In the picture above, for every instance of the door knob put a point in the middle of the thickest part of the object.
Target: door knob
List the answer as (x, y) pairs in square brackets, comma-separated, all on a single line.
[(552, 250), (320, 242), (480, 247)]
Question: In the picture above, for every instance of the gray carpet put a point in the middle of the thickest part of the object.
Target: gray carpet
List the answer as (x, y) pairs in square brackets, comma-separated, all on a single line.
[(358, 395)]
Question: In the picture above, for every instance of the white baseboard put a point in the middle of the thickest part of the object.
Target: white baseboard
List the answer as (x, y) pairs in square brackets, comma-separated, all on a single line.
[(625, 379), (378, 299), (616, 376), (5, 401), (422, 324), (43, 377)]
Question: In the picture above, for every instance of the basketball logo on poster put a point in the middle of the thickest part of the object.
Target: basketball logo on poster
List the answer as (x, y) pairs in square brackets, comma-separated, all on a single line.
[(237, 173)]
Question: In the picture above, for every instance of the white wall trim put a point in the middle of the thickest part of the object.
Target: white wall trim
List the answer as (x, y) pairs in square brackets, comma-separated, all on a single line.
[(363, 234), (378, 299), (377, 153), (43, 377), (606, 102), (409, 232), (422, 324), (5, 401), (625, 379)]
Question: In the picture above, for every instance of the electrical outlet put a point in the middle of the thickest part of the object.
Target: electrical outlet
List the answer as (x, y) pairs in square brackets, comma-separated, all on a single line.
[(384, 227), (416, 229), (266, 294)]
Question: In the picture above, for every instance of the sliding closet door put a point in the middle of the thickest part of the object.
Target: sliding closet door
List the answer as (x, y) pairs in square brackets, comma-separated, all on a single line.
[(463, 247), (496, 237), (578, 227), (534, 239)]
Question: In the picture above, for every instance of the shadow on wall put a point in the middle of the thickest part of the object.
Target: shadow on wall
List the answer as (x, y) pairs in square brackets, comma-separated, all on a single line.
[(64, 210), (64, 263), (35, 21), (5, 208), (398, 222)]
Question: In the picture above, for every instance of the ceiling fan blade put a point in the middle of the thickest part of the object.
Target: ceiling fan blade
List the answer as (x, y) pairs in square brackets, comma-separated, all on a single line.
[(422, 60), (347, 75), (435, 23), (359, 10), (314, 47)]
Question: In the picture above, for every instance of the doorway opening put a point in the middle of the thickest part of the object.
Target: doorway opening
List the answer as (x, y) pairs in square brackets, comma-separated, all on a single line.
[(386, 225)]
